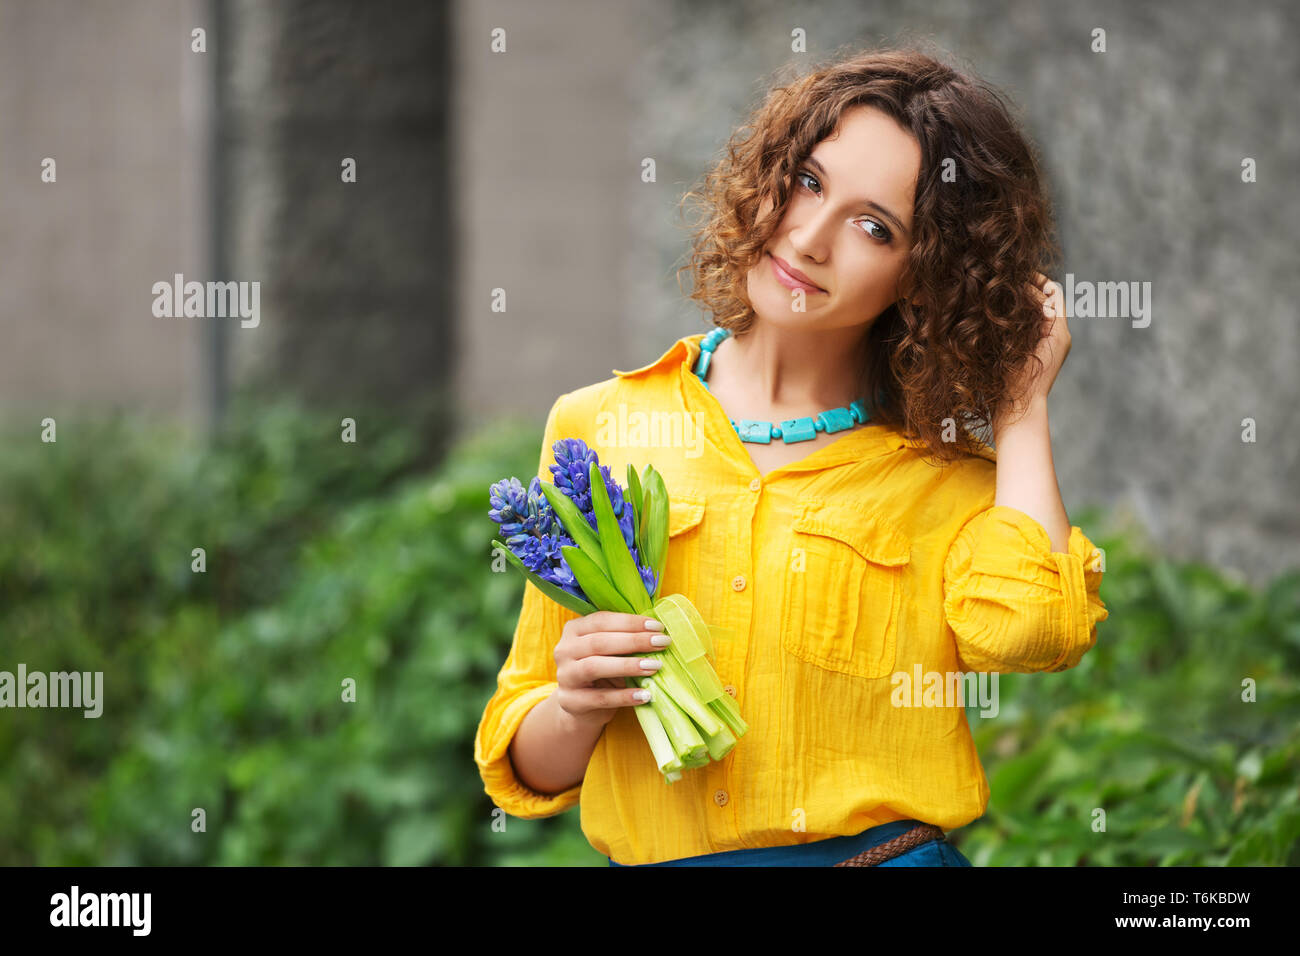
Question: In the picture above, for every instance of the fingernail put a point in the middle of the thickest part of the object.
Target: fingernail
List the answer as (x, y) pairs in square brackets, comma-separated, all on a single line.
[(661, 640), (653, 625), (641, 695), (649, 664)]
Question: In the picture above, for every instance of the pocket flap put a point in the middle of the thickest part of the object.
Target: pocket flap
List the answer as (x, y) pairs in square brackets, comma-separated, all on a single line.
[(685, 511), (871, 537)]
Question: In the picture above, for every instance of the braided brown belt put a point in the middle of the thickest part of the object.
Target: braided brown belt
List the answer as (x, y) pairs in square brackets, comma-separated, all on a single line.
[(921, 833)]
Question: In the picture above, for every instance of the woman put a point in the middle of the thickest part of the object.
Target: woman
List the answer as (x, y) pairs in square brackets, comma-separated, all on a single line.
[(869, 255)]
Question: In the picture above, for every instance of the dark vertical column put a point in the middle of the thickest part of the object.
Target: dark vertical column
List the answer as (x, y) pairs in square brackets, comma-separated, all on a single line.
[(217, 333), (356, 291)]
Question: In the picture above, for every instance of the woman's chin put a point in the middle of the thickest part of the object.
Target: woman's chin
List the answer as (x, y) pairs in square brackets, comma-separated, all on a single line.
[(778, 313)]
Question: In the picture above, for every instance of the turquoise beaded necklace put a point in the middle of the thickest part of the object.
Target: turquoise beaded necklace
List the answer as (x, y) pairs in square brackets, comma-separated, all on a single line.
[(792, 429)]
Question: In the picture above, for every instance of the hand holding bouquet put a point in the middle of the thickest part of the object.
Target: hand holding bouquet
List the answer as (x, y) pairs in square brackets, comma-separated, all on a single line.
[(592, 546)]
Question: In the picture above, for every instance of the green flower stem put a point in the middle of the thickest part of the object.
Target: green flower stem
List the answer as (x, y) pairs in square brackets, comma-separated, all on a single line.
[(687, 741), (660, 745), (720, 744), (674, 681), (729, 711)]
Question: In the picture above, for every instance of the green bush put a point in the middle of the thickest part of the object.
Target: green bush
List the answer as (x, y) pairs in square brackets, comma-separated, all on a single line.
[(222, 690), (328, 561), (399, 597), (1151, 727)]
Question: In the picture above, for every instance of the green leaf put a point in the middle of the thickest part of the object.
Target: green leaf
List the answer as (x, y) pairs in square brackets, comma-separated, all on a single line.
[(576, 525), (622, 569), (643, 533), (1013, 783), (593, 582), (554, 592), (633, 494), (655, 554)]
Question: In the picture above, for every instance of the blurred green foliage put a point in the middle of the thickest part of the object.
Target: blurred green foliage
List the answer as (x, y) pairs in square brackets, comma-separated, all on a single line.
[(1152, 728), (326, 561), (223, 690)]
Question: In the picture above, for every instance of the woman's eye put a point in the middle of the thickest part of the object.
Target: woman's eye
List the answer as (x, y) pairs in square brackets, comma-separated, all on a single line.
[(884, 235)]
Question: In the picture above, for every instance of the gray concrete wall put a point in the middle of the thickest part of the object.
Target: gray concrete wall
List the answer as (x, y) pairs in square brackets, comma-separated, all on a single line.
[(356, 291), (111, 92), (357, 278), (547, 173), (539, 193), (1143, 146)]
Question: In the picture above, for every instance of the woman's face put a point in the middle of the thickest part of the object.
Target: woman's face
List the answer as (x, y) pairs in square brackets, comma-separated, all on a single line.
[(833, 234)]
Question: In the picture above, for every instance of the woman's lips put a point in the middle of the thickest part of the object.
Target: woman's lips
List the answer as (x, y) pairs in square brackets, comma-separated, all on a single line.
[(779, 269)]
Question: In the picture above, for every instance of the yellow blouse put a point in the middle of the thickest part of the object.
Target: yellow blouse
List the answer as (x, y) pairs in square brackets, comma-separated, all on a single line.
[(848, 587)]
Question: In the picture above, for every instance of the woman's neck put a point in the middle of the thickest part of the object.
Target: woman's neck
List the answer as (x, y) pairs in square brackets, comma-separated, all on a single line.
[(790, 369)]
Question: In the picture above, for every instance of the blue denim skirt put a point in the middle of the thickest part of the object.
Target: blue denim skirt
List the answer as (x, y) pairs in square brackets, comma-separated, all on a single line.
[(831, 851)]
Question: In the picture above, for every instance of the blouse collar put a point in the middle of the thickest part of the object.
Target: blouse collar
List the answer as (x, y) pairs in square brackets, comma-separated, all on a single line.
[(855, 446)]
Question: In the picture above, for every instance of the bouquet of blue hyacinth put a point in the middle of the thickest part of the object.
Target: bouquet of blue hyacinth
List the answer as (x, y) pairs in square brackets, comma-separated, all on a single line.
[(591, 546)]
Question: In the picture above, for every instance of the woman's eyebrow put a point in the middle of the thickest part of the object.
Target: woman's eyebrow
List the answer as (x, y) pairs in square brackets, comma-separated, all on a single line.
[(898, 223)]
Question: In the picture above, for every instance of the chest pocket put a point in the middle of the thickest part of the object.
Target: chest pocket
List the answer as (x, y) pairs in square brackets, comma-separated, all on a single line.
[(682, 568), (843, 590)]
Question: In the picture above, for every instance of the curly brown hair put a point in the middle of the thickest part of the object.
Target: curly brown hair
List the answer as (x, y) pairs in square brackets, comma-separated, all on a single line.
[(971, 320)]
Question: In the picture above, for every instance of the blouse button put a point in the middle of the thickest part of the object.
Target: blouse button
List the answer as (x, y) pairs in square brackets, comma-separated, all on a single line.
[(720, 797), (755, 485), (730, 690), (738, 582)]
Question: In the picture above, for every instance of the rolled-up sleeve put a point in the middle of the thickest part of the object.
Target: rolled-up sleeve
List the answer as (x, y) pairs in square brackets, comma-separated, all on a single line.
[(525, 680), (1012, 603)]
